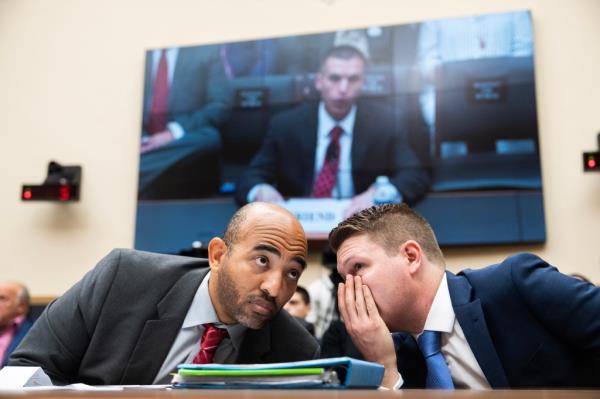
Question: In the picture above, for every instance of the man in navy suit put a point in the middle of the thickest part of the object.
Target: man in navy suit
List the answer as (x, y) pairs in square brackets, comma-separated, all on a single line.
[(301, 148), (14, 324), (516, 324), (186, 100)]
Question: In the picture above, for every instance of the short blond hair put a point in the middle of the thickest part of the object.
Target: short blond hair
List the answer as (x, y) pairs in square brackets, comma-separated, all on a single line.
[(390, 226)]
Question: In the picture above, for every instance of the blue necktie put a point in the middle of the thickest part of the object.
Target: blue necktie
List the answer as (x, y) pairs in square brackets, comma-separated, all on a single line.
[(438, 373)]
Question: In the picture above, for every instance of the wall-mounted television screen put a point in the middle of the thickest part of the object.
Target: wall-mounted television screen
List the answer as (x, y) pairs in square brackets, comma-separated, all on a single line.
[(444, 109)]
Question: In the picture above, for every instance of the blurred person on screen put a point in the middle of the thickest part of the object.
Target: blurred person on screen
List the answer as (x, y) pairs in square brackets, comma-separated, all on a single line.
[(14, 323), (299, 306), (516, 324), (186, 98), (507, 34), (337, 147), (137, 315)]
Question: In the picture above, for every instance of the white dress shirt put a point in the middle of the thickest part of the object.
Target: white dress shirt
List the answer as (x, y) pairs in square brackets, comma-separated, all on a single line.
[(464, 368), (344, 187), (187, 344)]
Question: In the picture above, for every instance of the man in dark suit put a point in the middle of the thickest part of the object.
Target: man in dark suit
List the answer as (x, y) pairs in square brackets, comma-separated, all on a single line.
[(14, 323), (185, 103), (335, 148), (137, 315), (516, 324)]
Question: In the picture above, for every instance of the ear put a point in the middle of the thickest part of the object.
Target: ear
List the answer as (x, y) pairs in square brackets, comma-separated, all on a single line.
[(22, 308), (217, 249), (414, 255)]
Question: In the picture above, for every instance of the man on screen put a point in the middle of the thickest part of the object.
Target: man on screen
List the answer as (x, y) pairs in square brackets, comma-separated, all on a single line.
[(186, 99), (336, 148), (137, 315), (516, 324)]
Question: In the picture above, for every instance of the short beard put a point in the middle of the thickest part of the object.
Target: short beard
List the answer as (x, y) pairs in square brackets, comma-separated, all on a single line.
[(229, 298)]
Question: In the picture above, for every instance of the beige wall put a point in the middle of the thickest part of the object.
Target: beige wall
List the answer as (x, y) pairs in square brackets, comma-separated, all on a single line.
[(71, 90)]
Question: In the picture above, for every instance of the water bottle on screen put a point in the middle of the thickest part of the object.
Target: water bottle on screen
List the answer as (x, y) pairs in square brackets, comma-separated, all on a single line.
[(385, 192)]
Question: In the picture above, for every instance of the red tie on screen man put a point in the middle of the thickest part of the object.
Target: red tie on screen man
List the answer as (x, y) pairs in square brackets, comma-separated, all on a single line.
[(160, 97), (211, 338), (327, 177)]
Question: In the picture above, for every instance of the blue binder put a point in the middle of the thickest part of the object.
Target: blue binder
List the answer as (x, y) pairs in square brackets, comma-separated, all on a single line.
[(351, 373)]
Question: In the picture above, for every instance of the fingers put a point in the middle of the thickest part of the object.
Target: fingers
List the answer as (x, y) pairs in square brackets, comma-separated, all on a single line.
[(350, 300), (342, 303), (370, 302), (361, 308)]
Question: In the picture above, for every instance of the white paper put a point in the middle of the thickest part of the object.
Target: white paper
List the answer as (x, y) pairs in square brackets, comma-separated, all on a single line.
[(13, 377)]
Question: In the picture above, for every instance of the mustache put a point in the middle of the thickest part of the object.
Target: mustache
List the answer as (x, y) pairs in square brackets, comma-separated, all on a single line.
[(264, 298)]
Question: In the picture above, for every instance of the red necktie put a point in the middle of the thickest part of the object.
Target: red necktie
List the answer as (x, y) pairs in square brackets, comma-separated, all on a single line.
[(328, 174), (160, 97), (211, 338)]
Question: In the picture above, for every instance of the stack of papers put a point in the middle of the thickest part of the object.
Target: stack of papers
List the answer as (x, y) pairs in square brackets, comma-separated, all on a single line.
[(343, 372)]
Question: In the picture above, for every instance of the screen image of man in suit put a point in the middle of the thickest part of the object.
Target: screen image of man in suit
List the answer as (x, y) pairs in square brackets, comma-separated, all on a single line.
[(14, 323), (335, 148), (185, 103), (137, 315), (517, 324)]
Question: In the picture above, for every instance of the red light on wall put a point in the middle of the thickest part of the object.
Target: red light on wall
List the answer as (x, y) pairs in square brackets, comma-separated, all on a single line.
[(591, 161), (27, 195), (64, 193)]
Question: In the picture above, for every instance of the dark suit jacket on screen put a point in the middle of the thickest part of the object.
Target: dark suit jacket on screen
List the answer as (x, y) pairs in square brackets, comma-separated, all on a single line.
[(286, 159), (528, 326), (117, 324), (199, 99)]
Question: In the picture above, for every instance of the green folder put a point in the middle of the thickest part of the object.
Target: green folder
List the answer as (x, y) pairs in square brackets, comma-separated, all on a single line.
[(251, 372)]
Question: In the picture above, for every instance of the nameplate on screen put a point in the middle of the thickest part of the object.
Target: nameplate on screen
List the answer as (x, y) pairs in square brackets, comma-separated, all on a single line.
[(318, 216)]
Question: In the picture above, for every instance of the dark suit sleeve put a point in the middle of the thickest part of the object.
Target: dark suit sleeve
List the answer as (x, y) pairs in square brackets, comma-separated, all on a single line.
[(263, 167), (567, 307), (59, 339), (204, 95), (410, 176), (381, 146)]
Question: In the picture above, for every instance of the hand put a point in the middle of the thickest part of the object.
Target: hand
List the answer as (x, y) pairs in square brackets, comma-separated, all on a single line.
[(360, 202), (366, 327), (156, 140), (268, 193)]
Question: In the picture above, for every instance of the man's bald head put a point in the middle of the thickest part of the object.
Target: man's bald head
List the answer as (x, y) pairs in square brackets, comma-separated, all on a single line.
[(14, 302), (246, 215)]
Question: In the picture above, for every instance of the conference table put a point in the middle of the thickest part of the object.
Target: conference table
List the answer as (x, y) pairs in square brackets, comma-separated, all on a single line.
[(308, 394)]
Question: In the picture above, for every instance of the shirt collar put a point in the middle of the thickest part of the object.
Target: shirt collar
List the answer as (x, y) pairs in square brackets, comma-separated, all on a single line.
[(18, 320), (14, 326), (327, 122), (441, 315), (202, 311)]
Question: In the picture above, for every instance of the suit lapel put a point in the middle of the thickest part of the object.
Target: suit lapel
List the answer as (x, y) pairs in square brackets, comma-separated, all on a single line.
[(255, 346), (410, 362), (158, 335), (472, 321), (360, 143), (309, 144)]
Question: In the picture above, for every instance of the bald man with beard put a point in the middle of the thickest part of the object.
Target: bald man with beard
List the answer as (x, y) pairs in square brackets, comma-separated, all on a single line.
[(14, 324), (137, 315)]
